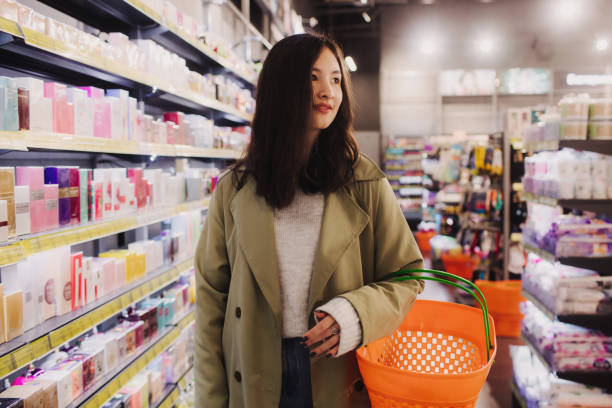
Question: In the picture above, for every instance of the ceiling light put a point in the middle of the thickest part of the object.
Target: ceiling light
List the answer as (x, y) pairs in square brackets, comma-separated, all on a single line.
[(428, 2), (485, 46), (350, 63), (568, 10), (601, 44), (366, 17), (312, 22), (364, 1)]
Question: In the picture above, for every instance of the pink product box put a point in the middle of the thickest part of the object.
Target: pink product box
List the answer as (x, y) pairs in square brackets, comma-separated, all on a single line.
[(63, 113), (83, 111), (51, 192), (34, 178)]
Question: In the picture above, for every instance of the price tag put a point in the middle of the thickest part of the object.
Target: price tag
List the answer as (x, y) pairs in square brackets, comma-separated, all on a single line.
[(39, 40), (23, 356), (11, 253), (9, 26), (40, 347), (6, 365), (60, 336)]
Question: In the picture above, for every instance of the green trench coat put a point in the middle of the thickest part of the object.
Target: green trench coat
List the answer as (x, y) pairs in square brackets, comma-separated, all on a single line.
[(238, 316)]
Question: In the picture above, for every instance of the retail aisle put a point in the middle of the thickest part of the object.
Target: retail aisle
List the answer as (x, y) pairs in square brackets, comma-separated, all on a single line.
[(496, 392)]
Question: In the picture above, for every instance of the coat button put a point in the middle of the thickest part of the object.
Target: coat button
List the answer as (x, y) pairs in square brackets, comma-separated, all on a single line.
[(238, 312), (238, 376), (359, 385)]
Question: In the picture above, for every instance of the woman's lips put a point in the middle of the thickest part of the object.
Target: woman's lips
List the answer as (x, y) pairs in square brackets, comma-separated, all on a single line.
[(323, 108)]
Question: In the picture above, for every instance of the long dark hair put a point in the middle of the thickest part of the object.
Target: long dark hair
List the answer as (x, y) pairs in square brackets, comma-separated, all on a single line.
[(278, 157)]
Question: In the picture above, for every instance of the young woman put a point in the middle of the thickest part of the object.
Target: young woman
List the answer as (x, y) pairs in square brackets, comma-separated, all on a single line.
[(297, 237)]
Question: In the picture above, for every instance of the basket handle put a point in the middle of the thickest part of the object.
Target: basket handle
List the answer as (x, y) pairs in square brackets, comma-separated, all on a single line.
[(409, 275)]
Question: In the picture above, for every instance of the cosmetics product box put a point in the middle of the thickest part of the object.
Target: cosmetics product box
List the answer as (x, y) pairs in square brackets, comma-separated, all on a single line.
[(156, 385), (83, 111), (101, 117), (60, 176), (9, 104), (120, 277), (32, 397), (131, 263), (132, 118), (105, 176), (74, 193), (63, 384), (76, 279), (88, 368), (23, 108), (123, 114), (13, 314), (194, 188), (88, 281), (33, 177), (51, 206), (35, 95), (3, 220), (74, 371), (148, 316), (97, 352), (26, 282), (60, 274), (84, 182), (105, 267), (98, 200), (22, 210), (7, 192), (63, 120), (45, 277), (116, 123), (50, 397)]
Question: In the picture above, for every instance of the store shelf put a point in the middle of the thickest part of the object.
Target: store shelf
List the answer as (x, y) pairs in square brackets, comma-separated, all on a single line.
[(597, 146), (124, 15), (596, 322), (112, 382), (24, 140), (171, 392), (593, 205), (36, 52), (602, 264), (52, 333), (20, 247), (601, 379)]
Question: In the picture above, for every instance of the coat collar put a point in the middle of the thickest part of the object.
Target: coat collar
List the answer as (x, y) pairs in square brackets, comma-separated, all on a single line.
[(343, 221)]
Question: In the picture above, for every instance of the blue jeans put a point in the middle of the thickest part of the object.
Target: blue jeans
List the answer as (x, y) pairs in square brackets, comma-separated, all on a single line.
[(296, 391)]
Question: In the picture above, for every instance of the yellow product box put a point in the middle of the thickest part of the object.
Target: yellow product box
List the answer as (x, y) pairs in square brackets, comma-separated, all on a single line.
[(131, 262)]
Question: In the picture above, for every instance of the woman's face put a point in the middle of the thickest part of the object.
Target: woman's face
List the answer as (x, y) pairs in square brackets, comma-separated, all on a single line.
[(327, 90)]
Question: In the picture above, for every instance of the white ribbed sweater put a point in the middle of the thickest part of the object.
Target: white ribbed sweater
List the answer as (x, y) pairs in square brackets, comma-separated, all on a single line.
[(296, 230)]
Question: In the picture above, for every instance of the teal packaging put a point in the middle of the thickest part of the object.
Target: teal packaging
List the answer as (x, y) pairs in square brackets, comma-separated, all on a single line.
[(9, 104), (84, 194)]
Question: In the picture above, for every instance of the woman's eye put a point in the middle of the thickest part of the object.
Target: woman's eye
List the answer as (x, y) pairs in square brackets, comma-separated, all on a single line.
[(314, 77), (336, 80)]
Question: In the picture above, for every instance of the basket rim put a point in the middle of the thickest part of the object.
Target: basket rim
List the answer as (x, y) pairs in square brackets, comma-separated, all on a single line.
[(361, 350)]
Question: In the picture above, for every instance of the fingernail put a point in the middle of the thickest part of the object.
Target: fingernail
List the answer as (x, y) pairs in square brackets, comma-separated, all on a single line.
[(304, 339), (328, 355), (312, 354)]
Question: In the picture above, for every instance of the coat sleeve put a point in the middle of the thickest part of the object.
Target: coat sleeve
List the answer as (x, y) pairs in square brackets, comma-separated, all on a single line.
[(382, 306), (212, 285)]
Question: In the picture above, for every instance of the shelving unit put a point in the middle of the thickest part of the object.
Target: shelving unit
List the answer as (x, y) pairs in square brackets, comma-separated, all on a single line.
[(596, 322), (29, 140), (26, 245), (52, 333), (592, 205), (404, 172), (602, 265), (31, 53), (111, 383), (35, 52), (601, 379)]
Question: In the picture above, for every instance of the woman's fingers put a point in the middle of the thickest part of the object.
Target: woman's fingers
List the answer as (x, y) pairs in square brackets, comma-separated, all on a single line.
[(319, 333), (327, 347), (333, 351)]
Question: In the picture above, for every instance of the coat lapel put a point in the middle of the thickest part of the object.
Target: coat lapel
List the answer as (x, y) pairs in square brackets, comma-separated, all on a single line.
[(343, 222), (255, 222)]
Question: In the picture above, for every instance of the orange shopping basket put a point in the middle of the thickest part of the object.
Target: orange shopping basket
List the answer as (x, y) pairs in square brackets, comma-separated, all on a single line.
[(439, 357)]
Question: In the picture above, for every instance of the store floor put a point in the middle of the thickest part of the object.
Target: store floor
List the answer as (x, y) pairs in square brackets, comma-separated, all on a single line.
[(496, 392)]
